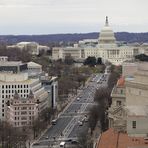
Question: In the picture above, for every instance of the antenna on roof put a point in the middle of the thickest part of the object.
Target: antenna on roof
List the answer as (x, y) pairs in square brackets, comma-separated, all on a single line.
[(106, 21)]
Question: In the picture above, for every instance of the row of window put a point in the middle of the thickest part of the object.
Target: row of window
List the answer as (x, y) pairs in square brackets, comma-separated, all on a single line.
[(13, 91), (9, 96), (15, 86), (24, 118), (21, 123), (24, 113), (24, 108)]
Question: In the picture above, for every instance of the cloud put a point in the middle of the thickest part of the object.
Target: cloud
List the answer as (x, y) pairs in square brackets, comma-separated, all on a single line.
[(88, 13)]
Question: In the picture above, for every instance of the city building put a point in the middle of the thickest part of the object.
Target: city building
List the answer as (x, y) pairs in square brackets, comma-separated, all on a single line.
[(22, 112), (137, 119), (51, 86), (33, 47), (34, 69), (129, 109), (3, 58), (137, 102), (13, 66), (105, 47), (137, 89), (14, 78), (117, 111), (129, 69)]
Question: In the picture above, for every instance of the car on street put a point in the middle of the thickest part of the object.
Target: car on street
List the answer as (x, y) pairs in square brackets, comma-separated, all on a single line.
[(78, 99), (53, 122)]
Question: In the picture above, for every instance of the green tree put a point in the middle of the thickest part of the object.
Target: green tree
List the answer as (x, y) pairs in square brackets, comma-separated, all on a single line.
[(99, 61), (69, 60), (91, 61), (141, 57)]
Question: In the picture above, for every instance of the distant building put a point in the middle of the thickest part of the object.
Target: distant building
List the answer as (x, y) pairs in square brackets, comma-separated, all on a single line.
[(34, 69), (105, 47), (13, 66), (3, 58), (33, 47), (51, 86)]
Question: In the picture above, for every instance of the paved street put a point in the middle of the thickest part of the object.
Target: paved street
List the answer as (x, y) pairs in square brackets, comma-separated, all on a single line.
[(71, 121)]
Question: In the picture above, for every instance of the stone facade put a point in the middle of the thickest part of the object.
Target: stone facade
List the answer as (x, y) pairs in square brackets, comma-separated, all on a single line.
[(22, 112), (117, 111)]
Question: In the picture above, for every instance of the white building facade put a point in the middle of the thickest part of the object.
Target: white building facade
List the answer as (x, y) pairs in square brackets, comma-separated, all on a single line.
[(14, 78), (106, 48)]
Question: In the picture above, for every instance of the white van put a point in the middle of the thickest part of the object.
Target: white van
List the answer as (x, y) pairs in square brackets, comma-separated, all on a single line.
[(53, 122), (62, 144)]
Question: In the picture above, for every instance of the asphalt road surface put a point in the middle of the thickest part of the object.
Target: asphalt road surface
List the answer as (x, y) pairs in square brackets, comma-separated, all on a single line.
[(73, 120)]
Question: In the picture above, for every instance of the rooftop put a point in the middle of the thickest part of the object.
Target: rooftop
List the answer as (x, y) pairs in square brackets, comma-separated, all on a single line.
[(33, 64), (121, 82), (114, 139), (10, 63)]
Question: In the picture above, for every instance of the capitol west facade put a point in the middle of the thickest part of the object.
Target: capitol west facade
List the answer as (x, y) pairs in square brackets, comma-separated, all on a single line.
[(105, 47)]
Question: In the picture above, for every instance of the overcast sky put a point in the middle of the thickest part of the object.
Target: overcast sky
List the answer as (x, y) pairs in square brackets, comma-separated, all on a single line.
[(71, 16)]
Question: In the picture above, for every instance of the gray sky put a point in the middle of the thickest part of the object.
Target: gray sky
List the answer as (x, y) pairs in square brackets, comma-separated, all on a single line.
[(71, 16)]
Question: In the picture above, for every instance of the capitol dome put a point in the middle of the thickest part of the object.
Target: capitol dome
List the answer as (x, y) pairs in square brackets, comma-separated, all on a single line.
[(107, 35)]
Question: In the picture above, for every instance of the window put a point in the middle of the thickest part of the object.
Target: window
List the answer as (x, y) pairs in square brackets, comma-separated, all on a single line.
[(129, 90), (134, 124), (118, 103), (24, 108), (121, 91), (23, 118), (23, 113)]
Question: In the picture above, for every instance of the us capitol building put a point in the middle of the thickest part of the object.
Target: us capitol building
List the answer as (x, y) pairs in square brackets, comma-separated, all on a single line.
[(105, 47)]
